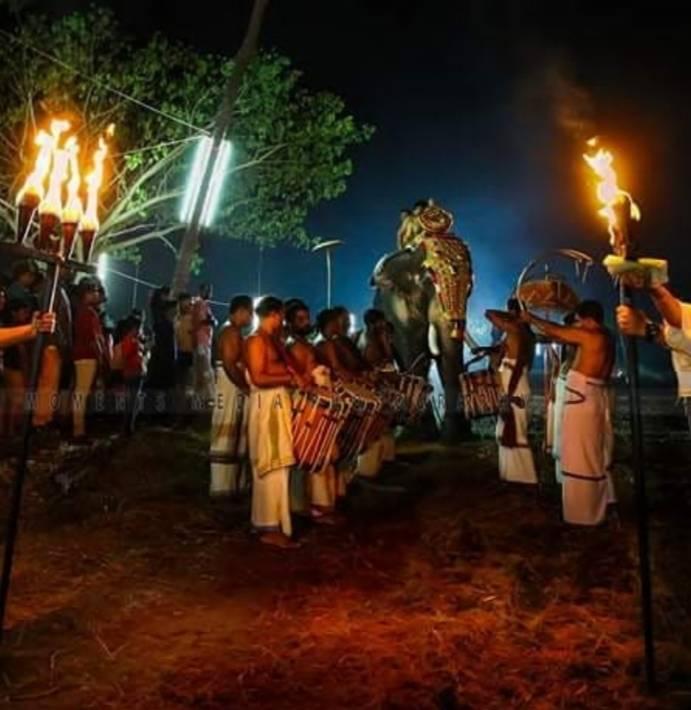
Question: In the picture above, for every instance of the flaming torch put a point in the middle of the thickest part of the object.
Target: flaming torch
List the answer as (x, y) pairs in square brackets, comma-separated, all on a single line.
[(50, 207), (31, 193), (88, 227), (620, 211), (72, 212)]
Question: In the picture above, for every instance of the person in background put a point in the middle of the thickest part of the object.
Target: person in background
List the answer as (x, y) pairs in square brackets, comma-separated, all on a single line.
[(89, 352), (203, 324), (674, 333), (133, 371), (24, 275), (161, 371), (184, 341)]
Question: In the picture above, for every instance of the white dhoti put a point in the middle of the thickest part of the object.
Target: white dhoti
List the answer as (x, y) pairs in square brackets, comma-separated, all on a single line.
[(324, 488), (370, 461), (549, 427), (228, 449), (388, 444), (587, 487), (558, 416), (516, 462), (271, 455)]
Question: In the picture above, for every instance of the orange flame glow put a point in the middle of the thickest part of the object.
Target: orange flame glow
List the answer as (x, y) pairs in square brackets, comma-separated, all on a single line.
[(93, 184), (609, 194), (73, 205), (34, 185)]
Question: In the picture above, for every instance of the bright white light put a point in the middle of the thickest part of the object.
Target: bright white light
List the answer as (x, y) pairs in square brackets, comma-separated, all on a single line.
[(255, 319), (102, 267), (194, 183), (353, 323), (216, 183)]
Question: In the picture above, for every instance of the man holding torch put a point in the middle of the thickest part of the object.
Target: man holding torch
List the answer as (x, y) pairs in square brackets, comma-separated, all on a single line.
[(675, 331), (43, 323)]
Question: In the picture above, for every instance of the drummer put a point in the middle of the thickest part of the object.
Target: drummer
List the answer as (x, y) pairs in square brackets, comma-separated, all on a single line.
[(337, 350), (376, 347), (322, 489)]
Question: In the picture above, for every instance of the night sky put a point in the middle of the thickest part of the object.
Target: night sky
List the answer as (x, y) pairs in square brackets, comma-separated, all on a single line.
[(484, 106)]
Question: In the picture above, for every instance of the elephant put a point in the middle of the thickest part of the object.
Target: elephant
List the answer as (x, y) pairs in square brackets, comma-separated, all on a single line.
[(423, 289)]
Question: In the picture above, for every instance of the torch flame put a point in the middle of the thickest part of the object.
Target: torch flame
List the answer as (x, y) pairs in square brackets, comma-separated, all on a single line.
[(73, 204), (46, 142), (52, 203), (93, 184), (609, 193)]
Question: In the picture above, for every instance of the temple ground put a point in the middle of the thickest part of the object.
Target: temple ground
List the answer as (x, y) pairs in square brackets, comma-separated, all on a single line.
[(133, 591)]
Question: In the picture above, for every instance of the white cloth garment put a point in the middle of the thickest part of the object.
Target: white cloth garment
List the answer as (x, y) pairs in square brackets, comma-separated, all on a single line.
[(228, 447), (84, 376), (324, 488), (549, 427), (388, 444), (370, 461), (516, 462), (587, 487), (270, 437), (679, 341), (558, 415)]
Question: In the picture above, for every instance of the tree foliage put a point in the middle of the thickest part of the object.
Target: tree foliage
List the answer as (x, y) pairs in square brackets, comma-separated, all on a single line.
[(291, 146)]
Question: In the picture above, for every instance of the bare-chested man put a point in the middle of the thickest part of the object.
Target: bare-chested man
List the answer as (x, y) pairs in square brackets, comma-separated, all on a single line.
[(376, 346), (270, 424), (229, 419), (336, 351), (516, 462), (316, 493), (587, 488), (376, 343)]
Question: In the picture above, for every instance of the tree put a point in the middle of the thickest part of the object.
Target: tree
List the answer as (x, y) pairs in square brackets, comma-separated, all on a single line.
[(291, 146)]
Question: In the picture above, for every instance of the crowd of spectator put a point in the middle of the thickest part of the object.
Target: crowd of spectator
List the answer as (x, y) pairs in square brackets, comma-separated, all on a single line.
[(155, 363)]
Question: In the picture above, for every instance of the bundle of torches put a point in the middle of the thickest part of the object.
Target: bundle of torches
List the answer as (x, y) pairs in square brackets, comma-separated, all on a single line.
[(54, 189)]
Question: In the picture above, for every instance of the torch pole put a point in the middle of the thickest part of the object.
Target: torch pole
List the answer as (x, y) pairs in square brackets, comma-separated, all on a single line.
[(625, 246), (631, 349), (47, 303)]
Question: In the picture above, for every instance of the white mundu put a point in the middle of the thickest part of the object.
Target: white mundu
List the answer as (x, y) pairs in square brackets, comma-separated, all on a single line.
[(515, 457), (228, 449), (559, 396), (270, 434), (587, 487)]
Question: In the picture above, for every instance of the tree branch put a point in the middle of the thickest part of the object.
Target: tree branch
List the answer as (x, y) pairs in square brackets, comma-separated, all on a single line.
[(159, 235), (147, 175)]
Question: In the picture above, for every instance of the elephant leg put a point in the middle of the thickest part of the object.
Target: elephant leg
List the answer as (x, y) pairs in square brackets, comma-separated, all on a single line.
[(450, 367)]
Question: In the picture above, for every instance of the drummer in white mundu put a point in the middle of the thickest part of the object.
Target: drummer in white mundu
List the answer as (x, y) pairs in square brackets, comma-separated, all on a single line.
[(316, 493), (269, 375)]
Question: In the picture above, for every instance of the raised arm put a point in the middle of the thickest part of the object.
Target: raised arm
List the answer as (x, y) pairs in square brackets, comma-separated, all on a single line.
[(668, 306), (502, 320), (561, 333)]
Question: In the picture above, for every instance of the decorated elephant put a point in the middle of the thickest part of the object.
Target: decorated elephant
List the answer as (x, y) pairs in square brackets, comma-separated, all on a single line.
[(423, 288)]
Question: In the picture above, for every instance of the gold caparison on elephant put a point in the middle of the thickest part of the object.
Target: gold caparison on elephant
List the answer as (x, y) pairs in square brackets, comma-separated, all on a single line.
[(423, 288)]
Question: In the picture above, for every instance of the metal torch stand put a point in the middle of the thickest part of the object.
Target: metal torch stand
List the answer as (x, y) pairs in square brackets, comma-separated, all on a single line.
[(54, 263), (631, 348)]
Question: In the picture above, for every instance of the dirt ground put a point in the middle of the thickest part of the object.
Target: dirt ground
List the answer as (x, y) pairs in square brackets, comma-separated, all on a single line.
[(133, 591)]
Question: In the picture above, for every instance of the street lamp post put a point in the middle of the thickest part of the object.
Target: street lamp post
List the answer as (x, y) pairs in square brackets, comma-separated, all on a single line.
[(327, 248)]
